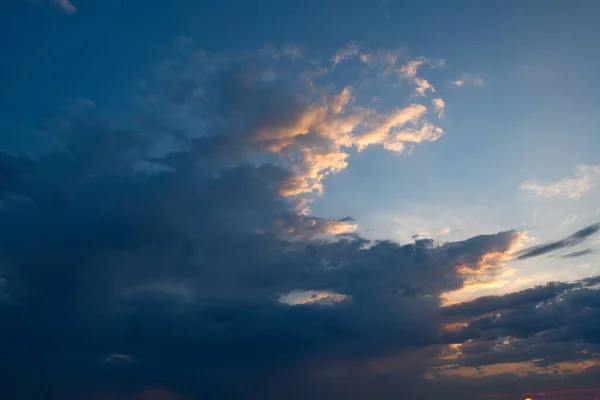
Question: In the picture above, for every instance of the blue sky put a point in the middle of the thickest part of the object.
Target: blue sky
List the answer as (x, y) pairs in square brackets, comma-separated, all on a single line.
[(457, 138)]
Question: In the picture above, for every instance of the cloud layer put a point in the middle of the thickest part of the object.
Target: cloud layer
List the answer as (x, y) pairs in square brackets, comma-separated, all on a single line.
[(168, 250)]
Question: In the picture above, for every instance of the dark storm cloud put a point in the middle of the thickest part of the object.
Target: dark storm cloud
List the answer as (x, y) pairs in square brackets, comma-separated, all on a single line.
[(573, 240), (170, 247), (147, 253), (488, 304), (553, 323), (168, 270)]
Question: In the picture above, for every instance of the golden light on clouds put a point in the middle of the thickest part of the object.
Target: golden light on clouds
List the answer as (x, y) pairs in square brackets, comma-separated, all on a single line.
[(454, 327), (300, 297), (488, 273), (519, 369)]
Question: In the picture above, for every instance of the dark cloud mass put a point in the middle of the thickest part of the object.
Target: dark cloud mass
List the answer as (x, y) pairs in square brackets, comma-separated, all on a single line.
[(550, 324), (145, 257)]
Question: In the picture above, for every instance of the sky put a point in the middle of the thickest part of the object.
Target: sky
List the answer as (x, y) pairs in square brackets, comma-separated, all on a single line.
[(320, 199)]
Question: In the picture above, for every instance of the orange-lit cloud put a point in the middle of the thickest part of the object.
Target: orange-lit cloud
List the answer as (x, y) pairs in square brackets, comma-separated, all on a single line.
[(410, 71), (566, 394), (518, 368), (380, 134), (301, 297), (489, 272), (411, 67), (307, 227), (427, 132), (454, 327), (316, 139)]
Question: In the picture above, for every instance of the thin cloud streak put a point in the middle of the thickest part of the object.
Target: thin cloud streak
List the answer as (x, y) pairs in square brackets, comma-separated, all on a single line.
[(587, 178), (67, 6), (573, 240)]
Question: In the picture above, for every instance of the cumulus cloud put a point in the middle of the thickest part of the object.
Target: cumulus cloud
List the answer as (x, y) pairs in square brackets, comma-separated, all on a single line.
[(310, 135), (587, 178)]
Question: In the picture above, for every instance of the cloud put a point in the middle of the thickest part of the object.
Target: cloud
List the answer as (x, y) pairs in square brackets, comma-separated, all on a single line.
[(566, 393), (573, 240), (577, 253), (587, 178), (66, 5), (490, 304), (347, 52), (410, 71), (534, 336), (302, 297), (467, 79), (440, 106), (173, 254), (305, 126), (116, 358), (411, 67), (396, 120), (186, 239)]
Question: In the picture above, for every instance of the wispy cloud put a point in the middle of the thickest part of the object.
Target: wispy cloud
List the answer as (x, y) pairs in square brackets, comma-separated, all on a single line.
[(579, 253), (67, 6), (573, 240), (467, 79), (410, 71), (410, 68), (587, 177), (351, 50), (397, 119)]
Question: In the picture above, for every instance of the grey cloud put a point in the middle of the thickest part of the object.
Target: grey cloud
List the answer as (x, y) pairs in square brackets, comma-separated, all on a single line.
[(577, 253), (573, 240), (488, 304), (553, 323)]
